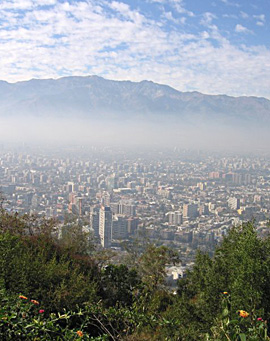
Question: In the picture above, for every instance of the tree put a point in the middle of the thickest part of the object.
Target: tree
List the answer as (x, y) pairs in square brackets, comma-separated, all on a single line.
[(152, 265), (118, 284), (35, 264), (240, 266)]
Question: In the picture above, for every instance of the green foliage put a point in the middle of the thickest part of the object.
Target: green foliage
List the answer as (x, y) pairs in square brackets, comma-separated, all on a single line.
[(241, 325), (37, 265), (24, 319), (152, 265), (79, 290), (74, 239), (118, 284), (241, 266)]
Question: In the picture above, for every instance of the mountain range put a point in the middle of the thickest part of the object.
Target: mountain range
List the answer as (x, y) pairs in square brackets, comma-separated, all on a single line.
[(96, 97)]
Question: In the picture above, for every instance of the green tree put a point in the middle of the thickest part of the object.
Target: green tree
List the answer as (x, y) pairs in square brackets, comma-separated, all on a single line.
[(152, 265), (118, 284), (240, 266)]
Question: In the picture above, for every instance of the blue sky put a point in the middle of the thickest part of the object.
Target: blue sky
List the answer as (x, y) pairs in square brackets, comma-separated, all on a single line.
[(211, 46)]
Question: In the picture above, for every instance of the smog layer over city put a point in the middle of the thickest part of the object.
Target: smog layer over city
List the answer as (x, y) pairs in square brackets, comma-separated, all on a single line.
[(139, 124)]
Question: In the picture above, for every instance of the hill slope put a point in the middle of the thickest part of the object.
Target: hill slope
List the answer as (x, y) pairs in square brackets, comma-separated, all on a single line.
[(97, 97)]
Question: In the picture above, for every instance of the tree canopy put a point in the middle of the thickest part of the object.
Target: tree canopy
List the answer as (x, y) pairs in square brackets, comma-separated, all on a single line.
[(131, 301)]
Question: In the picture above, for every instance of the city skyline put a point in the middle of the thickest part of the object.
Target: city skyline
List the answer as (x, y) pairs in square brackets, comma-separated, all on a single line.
[(182, 199)]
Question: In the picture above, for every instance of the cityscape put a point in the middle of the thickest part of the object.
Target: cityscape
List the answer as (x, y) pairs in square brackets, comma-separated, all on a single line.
[(134, 170), (183, 199)]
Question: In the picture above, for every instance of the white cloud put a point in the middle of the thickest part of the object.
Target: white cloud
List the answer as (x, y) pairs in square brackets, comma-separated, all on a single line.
[(260, 19), (125, 10), (205, 35), (25, 4), (158, 1), (230, 16), (242, 29), (208, 18), (229, 3), (244, 15), (177, 5), (180, 8), (169, 16), (183, 20), (19, 4), (117, 42)]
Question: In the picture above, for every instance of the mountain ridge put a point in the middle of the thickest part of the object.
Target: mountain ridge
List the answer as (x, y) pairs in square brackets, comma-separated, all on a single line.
[(97, 97)]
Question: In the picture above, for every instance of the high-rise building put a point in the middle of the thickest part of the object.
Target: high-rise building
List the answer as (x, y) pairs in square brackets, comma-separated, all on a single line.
[(119, 227), (111, 182), (132, 225), (237, 178), (115, 207), (204, 209), (106, 199), (214, 175), (94, 220), (234, 203), (201, 185), (105, 226), (70, 187), (127, 209), (124, 208), (190, 210), (247, 179), (174, 218)]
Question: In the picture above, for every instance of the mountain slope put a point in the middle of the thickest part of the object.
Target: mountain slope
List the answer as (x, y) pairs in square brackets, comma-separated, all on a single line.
[(97, 97)]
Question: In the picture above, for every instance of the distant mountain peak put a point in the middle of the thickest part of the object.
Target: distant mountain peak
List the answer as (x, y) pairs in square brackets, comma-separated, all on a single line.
[(94, 96)]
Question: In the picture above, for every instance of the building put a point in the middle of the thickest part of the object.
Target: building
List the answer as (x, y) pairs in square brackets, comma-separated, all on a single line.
[(124, 208), (94, 220), (175, 218), (190, 210), (105, 226), (111, 182), (127, 209), (234, 203), (132, 225), (119, 227)]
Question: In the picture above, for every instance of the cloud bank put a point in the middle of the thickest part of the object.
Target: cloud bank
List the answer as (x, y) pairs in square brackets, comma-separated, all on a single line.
[(164, 41)]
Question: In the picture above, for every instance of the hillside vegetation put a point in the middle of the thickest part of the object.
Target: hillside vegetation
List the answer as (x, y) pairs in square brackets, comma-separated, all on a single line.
[(66, 289)]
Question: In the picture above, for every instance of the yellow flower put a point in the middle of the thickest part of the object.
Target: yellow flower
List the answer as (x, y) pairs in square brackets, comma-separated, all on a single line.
[(225, 293), (79, 333), (35, 302), (243, 313)]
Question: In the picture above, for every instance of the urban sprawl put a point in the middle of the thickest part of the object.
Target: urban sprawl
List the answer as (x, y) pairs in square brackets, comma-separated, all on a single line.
[(186, 200)]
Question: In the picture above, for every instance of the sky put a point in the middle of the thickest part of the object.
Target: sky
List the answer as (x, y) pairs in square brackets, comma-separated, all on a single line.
[(210, 46)]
